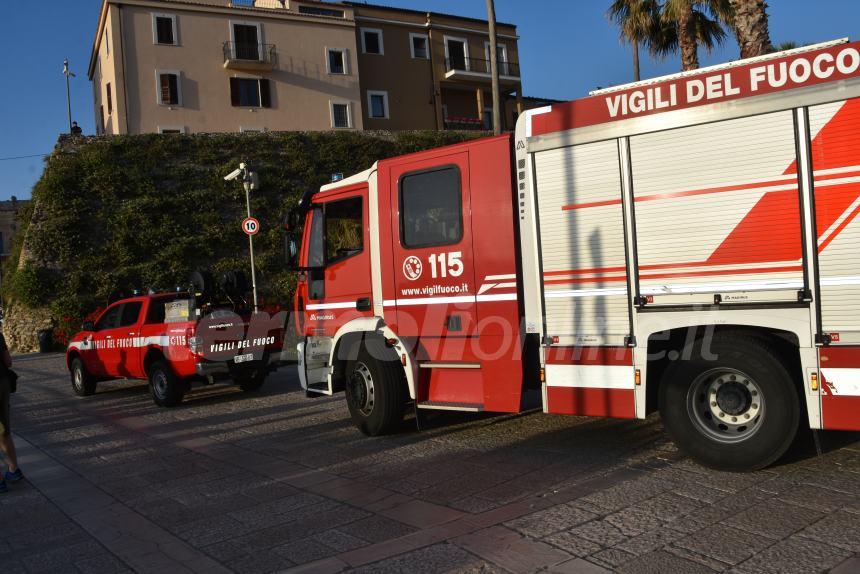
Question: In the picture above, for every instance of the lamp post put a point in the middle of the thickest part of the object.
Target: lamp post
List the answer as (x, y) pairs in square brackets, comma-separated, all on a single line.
[(250, 182), (68, 74)]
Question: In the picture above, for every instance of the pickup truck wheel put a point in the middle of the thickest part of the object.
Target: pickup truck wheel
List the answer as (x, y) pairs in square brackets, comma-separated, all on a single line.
[(166, 389), (82, 382), (739, 412), (375, 390)]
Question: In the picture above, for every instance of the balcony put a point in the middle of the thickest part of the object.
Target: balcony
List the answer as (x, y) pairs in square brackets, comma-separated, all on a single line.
[(472, 69), (249, 56)]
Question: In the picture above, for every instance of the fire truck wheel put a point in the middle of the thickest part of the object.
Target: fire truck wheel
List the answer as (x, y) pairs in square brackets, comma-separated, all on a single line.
[(166, 389), (82, 382), (738, 412), (375, 390)]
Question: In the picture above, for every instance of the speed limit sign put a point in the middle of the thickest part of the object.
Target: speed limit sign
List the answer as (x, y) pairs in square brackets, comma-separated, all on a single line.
[(250, 226)]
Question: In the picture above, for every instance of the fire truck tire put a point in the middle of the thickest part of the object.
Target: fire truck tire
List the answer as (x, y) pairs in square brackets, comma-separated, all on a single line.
[(83, 383), (165, 387), (738, 412), (375, 390)]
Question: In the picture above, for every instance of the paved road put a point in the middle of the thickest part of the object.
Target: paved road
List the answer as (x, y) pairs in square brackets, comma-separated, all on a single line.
[(275, 481)]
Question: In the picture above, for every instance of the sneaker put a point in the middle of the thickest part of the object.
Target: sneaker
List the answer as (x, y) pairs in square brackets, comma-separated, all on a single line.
[(3, 488), (13, 477)]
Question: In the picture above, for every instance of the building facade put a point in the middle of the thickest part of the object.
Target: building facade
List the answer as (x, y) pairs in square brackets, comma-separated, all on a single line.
[(190, 66)]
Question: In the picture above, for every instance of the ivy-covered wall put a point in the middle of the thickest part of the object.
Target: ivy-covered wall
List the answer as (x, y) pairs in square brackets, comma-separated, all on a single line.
[(140, 212)]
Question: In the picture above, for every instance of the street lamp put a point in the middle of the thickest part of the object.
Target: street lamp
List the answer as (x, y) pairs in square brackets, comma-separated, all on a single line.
[(250, 182), (68, 74)]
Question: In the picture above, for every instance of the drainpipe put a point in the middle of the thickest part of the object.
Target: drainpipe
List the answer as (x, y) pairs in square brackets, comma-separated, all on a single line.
[(437, 91)]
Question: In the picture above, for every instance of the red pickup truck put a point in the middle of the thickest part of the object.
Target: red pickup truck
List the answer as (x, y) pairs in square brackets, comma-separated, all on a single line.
[(170, 341)]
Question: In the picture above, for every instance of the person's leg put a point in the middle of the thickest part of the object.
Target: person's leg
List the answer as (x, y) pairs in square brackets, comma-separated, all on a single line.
[(7, 445)]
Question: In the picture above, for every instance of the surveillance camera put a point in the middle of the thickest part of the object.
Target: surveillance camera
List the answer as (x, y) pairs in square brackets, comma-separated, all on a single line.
[(234, 174)]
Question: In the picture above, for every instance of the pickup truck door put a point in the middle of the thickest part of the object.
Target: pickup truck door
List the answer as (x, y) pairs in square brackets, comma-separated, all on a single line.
[(102, 337), (120, 354)]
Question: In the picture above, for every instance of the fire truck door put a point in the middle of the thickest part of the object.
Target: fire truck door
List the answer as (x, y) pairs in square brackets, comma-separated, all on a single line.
[(338, 280), (433, 253)]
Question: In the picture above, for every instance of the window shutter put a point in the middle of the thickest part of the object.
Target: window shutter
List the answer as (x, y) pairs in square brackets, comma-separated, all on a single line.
[(265, 94), (234, 92), (164, 81), (173, 84)]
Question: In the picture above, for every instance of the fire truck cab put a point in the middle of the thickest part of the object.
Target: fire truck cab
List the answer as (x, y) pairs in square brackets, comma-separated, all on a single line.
[(686, 244)]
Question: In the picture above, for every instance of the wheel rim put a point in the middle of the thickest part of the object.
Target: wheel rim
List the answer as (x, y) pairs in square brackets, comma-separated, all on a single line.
[(159, 384), (78, 378), (726, 405), (362, 392)]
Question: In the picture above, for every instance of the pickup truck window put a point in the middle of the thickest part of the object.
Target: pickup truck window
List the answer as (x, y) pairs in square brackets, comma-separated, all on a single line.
[(110, 319), (344, 232), (130, 314)]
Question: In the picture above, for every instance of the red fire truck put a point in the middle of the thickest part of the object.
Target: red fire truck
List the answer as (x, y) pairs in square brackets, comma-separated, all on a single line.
[(687, 245)]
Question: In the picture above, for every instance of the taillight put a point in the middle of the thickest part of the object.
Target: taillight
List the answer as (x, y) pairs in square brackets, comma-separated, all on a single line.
[(195, 342)]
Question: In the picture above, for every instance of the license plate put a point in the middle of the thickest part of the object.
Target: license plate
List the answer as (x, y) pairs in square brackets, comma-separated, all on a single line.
[(244, 358)]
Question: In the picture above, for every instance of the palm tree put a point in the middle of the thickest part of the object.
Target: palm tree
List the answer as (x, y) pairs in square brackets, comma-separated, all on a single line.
[(698, 23), (750, 27), (638, 21)]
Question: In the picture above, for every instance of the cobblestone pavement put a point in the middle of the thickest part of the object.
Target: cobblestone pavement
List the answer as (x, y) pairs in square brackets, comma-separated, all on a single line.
[(275, 481)]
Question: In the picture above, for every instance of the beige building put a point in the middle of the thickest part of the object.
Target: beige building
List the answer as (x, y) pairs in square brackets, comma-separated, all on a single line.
[(188, 66)]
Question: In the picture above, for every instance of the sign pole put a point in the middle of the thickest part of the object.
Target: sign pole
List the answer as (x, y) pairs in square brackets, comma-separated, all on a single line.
[(247, 186)]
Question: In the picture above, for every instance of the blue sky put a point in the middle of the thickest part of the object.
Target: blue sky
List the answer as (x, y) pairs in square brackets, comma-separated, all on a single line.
[(567, 47)]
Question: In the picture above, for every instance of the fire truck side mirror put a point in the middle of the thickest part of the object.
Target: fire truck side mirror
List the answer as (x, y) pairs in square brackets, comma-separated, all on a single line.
[(291, 251)]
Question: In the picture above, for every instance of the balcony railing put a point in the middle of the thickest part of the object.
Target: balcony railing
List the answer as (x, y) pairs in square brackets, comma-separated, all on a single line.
[(464, 123), (481, 66), (248, 55)]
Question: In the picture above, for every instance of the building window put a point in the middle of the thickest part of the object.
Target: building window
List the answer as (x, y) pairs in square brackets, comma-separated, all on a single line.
[(109, 99), (340, 116), (102, 120), (246, 41), (250, 93), (431, 209), (501, 58), (336, 61), (377, 104), (169, 88), (164, 29), (418, 43), (371, 41), (456, 54), (171, 129)]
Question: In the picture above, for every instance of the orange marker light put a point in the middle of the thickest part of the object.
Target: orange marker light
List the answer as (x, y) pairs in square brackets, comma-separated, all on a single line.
[(813, 381), (638, 377), (542, 376)]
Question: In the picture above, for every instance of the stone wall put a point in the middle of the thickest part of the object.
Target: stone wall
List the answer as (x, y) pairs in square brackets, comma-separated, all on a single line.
[(20, 326)]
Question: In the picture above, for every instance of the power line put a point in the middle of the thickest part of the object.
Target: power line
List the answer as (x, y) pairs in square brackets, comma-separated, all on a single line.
[(24, 156)]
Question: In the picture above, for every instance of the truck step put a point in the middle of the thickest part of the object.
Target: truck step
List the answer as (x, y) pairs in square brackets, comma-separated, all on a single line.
[(440, 406)]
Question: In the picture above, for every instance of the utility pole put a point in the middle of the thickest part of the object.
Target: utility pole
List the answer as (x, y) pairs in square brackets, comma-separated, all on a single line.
[(68, 74), (494, 68)]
